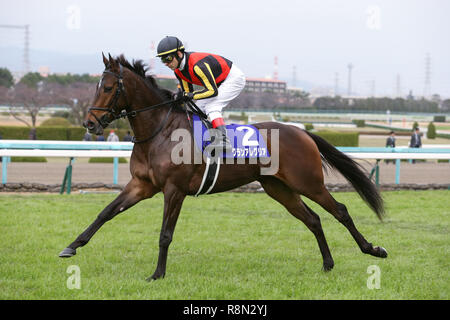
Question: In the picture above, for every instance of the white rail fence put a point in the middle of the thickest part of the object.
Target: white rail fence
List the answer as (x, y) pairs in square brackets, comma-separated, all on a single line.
[(115, 150)]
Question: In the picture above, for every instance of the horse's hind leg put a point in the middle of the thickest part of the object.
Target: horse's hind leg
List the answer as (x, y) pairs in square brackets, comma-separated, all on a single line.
[(339, 211), (135, 191), (293, 203)]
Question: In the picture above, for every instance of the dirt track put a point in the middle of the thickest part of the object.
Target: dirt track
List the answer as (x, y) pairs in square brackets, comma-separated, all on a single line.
[(53, 173)]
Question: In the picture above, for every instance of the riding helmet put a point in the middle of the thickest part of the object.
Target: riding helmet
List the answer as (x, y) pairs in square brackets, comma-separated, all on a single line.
[(169, 45)]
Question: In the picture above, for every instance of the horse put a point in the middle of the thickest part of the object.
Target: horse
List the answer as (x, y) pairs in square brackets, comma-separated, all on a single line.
[(126, 91)]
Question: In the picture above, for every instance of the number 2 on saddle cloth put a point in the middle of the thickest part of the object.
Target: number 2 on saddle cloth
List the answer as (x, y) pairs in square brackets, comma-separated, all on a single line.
[(246, 141)]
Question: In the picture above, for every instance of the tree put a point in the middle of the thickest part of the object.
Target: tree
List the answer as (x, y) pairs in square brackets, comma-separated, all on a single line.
[(446, 105), (431, 132), (23, 98), (78, 96), (31, 79), (6, 78)]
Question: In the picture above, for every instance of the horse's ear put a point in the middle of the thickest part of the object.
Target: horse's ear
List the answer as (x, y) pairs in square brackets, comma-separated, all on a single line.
[(105, 61), (113, 63)]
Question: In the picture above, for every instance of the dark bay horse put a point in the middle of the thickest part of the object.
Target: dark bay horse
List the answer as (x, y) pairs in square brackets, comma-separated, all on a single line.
[(124, 88)]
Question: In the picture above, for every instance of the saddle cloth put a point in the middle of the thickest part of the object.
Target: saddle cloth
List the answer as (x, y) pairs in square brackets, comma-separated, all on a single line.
[(246, 140)]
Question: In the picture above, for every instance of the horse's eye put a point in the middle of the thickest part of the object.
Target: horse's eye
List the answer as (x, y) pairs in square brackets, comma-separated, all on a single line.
[(107, 89)]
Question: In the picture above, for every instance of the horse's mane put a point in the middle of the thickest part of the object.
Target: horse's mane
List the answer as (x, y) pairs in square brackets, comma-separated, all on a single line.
[(140, 68)]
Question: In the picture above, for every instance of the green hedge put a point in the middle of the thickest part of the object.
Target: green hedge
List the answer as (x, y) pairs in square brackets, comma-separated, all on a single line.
[(28, 159), (359, 123), (106, 160), (443, 135), (55, 122), (340, 139), (440, 118), (14, 133), (53, 133)]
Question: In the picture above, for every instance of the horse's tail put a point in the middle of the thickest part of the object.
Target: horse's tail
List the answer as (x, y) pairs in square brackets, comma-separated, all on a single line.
[(353, 172)]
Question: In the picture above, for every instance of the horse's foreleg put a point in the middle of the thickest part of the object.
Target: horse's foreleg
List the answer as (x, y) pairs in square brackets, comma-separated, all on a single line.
[(135, 191), (173, 200)]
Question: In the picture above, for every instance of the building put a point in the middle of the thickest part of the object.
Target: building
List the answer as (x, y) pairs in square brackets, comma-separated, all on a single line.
[(44, 71), (252, 84), (265, 85)]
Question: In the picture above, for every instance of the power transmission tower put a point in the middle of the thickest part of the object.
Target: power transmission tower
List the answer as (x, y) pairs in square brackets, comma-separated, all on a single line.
[(372, 87), (349, 89), (26, 47), (275, 68), (336, 83), (398, 88), (294, 76), (151, 65), (427, 86)]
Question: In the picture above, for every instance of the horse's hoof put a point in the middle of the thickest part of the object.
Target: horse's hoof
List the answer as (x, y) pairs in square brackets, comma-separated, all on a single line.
[(381, 252), (67, 253), (327, 267), (154, 277)]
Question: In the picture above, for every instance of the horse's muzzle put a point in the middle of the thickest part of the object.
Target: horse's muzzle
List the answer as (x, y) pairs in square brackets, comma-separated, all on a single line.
[(92, 127), (88, 124)]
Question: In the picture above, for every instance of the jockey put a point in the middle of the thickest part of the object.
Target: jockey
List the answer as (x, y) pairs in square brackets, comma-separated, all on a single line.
[(221, 80)]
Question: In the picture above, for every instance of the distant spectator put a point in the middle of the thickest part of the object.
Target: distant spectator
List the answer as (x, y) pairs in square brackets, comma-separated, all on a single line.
[(416, 141), (100, 138), (112, 136), (32, 135), (128, 137), (87, 136), (390, 143)]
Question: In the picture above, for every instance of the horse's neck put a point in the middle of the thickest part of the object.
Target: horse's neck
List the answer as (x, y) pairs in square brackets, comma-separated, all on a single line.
[(145, 123)]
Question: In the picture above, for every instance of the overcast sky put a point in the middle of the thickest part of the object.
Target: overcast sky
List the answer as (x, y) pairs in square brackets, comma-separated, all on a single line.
[(382, 39)]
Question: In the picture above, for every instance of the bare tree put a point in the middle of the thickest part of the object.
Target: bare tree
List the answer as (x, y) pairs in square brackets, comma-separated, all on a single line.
[(29, 100), (78, 96)]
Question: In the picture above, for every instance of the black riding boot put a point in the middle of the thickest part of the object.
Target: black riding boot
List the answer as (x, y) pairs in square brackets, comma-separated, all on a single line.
[(220, 139)]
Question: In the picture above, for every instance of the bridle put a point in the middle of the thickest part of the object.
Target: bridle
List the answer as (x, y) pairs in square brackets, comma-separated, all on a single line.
[(113, 114)]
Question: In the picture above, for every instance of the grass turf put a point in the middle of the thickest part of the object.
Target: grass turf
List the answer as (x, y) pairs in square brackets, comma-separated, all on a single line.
[(227, 246)]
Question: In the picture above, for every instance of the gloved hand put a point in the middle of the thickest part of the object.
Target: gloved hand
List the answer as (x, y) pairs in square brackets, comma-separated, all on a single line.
[(184, 96), (188, 96)]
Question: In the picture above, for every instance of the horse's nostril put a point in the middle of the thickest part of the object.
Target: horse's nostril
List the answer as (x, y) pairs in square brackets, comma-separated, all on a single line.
[(88, 124)]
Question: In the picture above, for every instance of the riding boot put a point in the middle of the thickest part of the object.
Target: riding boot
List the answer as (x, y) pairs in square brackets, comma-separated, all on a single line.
[(219, 140)]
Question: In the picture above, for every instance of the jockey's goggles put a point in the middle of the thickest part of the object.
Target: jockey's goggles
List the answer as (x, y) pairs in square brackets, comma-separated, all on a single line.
[(168, 58)]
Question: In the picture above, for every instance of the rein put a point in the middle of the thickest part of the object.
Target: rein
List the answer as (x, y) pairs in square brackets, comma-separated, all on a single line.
[(112, 114)]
